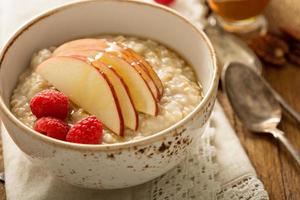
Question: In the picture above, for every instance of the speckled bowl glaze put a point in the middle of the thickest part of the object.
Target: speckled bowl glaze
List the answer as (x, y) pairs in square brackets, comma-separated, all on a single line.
[(122, 164)]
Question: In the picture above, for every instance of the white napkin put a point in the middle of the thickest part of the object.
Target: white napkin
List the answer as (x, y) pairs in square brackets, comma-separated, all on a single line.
[(28, 181), (236, 178)]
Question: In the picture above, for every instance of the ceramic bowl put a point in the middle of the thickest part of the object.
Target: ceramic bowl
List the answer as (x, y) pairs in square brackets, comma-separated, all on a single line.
[(115, 165)]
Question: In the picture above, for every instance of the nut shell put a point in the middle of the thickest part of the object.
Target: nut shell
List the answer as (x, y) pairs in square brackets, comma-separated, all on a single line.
[(270, 48)]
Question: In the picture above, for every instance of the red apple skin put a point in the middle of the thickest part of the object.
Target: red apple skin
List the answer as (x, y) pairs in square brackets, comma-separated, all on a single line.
[(143, 72), (139, 63), (113, 92), (100, 66), (127, 90), (148, 68), (82, 46), (115, 54), (84, 59), (84, 53), (117, 104), (132, 93)]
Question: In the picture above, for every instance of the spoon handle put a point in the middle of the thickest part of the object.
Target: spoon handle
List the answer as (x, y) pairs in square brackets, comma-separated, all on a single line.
[(287, 107), (284, 104), (278, 134)]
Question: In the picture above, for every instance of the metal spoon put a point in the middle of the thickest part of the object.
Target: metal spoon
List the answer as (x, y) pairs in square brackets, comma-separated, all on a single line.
[(254, 103), (230, 48)]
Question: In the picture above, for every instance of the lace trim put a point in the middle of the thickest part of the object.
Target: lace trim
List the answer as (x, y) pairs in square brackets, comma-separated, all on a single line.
[(194, 178), (245, 188)]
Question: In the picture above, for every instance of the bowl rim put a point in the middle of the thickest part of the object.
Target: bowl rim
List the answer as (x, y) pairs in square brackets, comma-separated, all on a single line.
[(115, 146)]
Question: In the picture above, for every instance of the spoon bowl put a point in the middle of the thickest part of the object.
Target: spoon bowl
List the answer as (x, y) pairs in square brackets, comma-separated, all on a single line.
[(253, 102), (256, 106)]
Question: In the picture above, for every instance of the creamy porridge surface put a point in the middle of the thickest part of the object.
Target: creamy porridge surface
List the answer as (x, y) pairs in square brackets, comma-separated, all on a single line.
[(181, 90)]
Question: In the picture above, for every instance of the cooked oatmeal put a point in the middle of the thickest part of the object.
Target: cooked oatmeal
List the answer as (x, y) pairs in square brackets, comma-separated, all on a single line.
[(181, 90)]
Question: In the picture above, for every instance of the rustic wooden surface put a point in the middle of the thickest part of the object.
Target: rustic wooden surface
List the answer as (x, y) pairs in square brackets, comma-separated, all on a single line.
[(273, 164)]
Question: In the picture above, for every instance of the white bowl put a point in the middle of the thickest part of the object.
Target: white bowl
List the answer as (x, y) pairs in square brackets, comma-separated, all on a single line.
[(122, 164)]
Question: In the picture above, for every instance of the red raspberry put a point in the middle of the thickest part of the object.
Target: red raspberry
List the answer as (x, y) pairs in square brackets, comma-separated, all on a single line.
[(52, 127), (50, 103), (164, 2), (88, 131)]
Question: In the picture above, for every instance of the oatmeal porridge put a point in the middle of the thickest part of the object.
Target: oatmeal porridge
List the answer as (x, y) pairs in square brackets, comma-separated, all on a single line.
[(181, 90)]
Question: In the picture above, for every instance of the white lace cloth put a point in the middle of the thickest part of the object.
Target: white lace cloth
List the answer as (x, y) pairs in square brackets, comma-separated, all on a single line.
[(200, 177), (194, 178), (217, 168)]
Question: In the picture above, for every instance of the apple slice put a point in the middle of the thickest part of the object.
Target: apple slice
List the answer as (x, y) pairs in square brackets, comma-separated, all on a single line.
[(142, 97), (86, 87), (120, 51), (89, 47), (143, 72), (82, 44), (139, 59), (128, 111), (82, 53)]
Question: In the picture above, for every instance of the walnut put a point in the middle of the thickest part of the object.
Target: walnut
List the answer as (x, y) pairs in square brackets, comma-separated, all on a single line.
[(270, 48)]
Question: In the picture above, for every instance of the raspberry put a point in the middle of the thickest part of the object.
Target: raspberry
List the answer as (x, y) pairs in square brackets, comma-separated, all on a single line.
[(52, 127), (164, 2), (50, 103), (87, 131)]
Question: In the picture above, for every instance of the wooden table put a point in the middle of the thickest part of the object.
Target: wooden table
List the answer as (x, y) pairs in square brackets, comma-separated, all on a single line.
[(273, 164)]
